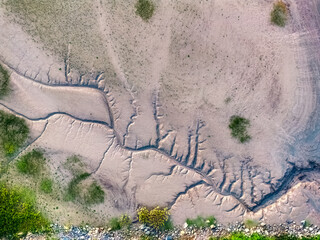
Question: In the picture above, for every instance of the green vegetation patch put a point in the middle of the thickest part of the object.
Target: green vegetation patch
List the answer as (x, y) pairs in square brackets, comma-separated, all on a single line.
[(145, 9), (156, 217), (75, 165), (250, 223), (79, 191), (46, 185), (73, 189), (13, 133), (94, 194), (4, 81), (238, 126), (117, 223), (18, 213), (201, 222), (31, 163), (167, 226), (279, 14)]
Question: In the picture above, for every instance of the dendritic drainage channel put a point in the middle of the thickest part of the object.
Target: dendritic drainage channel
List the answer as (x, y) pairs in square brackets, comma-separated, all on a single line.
[(190, 161)]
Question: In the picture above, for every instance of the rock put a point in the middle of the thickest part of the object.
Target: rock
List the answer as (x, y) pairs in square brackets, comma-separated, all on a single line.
[(185, 225), (182, 233)]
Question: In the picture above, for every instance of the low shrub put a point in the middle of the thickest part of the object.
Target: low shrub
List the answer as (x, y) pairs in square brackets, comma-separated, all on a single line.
[(145, 9), (238, 126), (279, 13), (46, 185), (156, 217), (143, 215), (13, 133), (18, 213), (31, 163), (201, 222), (4, 81)]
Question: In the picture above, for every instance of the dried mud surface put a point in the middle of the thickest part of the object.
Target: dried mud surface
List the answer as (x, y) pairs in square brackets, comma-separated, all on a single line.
[(144, 103)]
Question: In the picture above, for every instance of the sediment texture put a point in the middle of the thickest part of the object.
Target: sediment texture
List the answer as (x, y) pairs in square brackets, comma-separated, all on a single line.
[(144, 103)]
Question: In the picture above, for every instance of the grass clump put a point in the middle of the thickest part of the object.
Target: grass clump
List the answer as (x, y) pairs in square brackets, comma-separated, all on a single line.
[(13, 133), (75, 165), (4, 81), (94, 194), (79, 190), (114, 224), (31, 163), (201, 222), (279, 13), (167, 226), (117, 223), (18, 213), (46, 185), (73, 190), (238, 126), (156, 217), (145, 9)]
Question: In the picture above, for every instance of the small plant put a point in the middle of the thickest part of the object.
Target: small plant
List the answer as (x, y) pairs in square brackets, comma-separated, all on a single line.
[(201, 222), (250, 223), (143, 215), (13, 133), (238, 126), (31, 163), (94, 194), (46, 185), (18, 214), (156, 217), (279, 13), (4, 81), (145, 9)]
